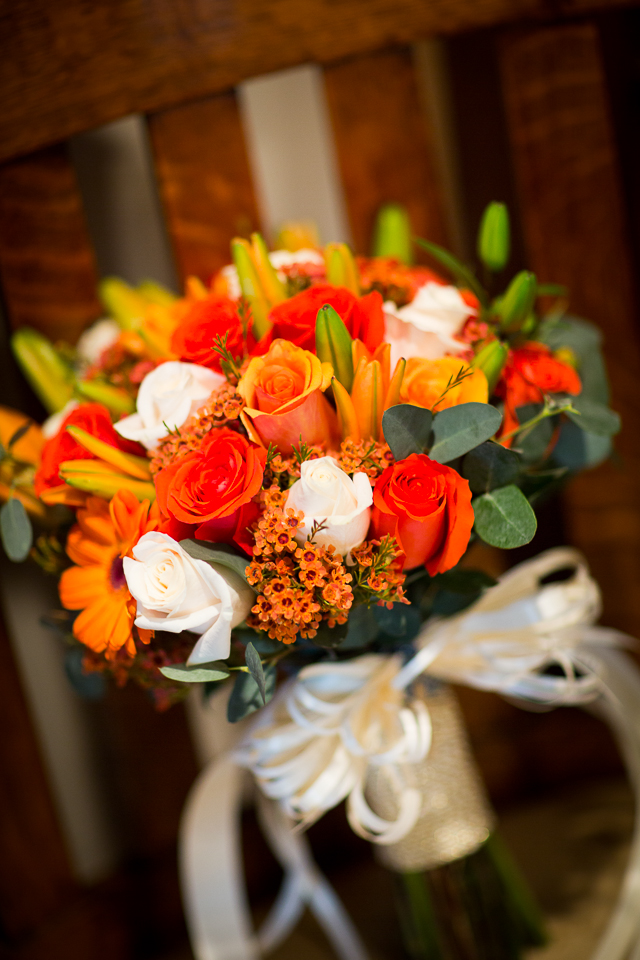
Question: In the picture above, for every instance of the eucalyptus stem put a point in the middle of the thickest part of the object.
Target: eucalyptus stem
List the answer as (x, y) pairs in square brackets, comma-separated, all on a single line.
[(549, 410)]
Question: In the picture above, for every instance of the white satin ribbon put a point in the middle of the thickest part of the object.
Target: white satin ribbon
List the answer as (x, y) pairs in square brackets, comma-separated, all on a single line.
[(311, 747)]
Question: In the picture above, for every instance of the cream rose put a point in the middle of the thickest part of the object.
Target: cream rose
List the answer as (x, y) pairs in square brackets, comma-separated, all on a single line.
[(168, 396), (96, 339), (174, 592), (426, 326), (327, 495)]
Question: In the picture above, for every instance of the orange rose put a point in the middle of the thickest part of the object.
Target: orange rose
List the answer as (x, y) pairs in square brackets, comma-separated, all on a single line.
[(283, 392), (212, 483), (427, 508), (425, 381)]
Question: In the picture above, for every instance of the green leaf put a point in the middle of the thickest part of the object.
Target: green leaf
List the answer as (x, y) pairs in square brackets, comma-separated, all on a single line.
[(254, 665), (461, 272), (594, 417), (246, 698), (407, 429), (3, 452), (362, 628), (20, 432), (532, 443), (490, 465), (16, 531), (504, 518), (402, 622), (331, 636), (578, 449), (459, 429), (584, 339), (221, 554), (198, 673), (464, 580)]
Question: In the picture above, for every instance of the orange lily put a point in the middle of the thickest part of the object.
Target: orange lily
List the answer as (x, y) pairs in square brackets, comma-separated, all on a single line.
[(374, 390)]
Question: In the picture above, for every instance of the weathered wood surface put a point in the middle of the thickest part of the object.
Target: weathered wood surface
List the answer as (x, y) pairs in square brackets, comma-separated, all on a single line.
[(86, 62), (47, 265), (204, 181), (382, 143), (573, 217)]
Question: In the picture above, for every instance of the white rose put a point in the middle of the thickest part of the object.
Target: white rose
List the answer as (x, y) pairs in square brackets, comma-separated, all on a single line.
[(169, 395), (279, 259), (174, 592), (426, 327), (326, 494), (94, 341)]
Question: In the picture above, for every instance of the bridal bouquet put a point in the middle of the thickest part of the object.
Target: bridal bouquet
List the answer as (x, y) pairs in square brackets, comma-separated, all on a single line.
[(275, 479)]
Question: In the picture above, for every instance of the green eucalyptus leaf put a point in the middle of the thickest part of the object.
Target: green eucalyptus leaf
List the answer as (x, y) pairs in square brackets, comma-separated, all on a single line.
[(220, 553), (407, 429), (461, 272), (198, 673), (254, 665), (490, 465), (532, 444), (402, 622), (246, 697), (464, 580), (578, 449), (362, 628), (594, 417), (331, 636), (504, 518), (459, 429), (584, 339), (16, 531)]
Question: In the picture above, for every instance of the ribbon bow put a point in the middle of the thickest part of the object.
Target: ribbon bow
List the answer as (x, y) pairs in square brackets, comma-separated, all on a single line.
[(312, 746)]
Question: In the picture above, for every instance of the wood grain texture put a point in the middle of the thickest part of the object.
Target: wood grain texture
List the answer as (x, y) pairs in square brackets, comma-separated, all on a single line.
[(382, 143), (573, 219), (46, 261), (204, 180), (73, 66)]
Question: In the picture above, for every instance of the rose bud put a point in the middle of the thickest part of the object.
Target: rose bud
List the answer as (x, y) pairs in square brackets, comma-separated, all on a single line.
[(327, 495)]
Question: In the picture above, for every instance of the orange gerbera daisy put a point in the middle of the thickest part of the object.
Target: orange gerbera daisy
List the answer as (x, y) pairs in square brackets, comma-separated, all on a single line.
[(104, 534)]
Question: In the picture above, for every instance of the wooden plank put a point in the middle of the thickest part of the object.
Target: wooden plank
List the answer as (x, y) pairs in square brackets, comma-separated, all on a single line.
[(204, 180), (573, 217), (46, 262), (382, 143), (35, 879), (78, 65)]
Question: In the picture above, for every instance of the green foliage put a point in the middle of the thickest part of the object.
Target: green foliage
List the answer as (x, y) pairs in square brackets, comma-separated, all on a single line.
[(402, 622), (220, 554), (407, 429), (578, 449), (16, 531), (584, 339), (362, 628), (504, 518), (491, 359), (490, 465), (532, 442), (459, 429), (254, 666), (246, 697), (494, 237), (594, 417), (462, 273), (199, 673), (331, 637), (333, 344)]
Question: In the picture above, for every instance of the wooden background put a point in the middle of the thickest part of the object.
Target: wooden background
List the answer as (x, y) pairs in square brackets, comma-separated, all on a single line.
[(545, 98)]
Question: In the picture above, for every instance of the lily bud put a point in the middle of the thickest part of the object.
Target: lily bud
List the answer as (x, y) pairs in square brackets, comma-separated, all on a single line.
[(368, 397), (156, 293), (297, 235), (97, 478), (122, 302), (341, 267), (48, 374), (128, 463), (392, 234), (347, 419), (494, 237), (491, 359), (274, 289), (517, 302), (113, 398), (251, 286), (333, 344)]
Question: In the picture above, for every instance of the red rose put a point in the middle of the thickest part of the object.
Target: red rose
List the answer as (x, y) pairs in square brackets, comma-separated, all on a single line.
[(95, 419), (427, 507), (204, 321), (210, 485), (295, 319), (529, 373)]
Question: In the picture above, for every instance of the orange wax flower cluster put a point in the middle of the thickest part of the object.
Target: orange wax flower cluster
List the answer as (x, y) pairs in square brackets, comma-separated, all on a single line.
[(368, 456), (297, 586), (378, 574)]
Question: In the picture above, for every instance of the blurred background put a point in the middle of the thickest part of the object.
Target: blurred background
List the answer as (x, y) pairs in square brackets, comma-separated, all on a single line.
[(137, 139)]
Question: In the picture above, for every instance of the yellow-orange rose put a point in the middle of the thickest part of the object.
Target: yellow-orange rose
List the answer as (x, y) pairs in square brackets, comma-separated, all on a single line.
[(283, 392), (425, 382)]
